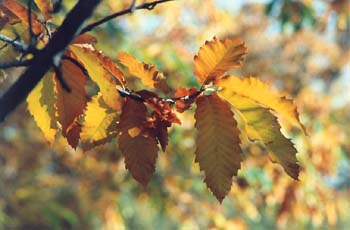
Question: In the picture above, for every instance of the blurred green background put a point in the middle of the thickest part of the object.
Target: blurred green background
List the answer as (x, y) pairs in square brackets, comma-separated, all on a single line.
[(299, 47)]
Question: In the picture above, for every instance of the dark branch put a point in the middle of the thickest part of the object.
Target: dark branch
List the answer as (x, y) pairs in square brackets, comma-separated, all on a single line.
[(11, 64), (44, 59), (131, 9)]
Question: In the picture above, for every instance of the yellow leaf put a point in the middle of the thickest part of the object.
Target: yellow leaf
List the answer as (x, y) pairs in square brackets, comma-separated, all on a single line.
[(99, 74), (70, 105), (262, 125), (149, 74), (41, 102), (100, 123), (261, 93), (140, 150), (218, 152), (45, 7), (217, 57)]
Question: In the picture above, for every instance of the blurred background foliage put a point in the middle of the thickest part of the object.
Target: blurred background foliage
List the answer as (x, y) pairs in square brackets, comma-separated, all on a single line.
[(299, 47)]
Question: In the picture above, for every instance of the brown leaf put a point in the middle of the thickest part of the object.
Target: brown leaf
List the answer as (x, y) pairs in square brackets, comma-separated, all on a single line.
[(218, 152), (70, 105), (137, 143)]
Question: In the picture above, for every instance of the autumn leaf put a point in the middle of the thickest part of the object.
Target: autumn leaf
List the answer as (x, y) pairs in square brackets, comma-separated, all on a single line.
[(261, 93), (218, 152), (100, 123), (217, 57), (40, 104), (137, 143), (99, 74), (262, 125), (70, 105), (149, 74), (22, 13), (160, 106), (45, 7)]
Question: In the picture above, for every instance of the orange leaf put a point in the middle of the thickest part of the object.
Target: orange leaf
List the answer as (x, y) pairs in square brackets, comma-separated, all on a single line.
[(105, 79), (70, 105), (149, 74), (160, 106), (45, 7), (22, 13), (218, 152), (217, 57), (137, 143)]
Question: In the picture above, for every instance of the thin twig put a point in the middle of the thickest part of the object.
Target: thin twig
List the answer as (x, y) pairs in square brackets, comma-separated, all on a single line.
[(16, 44), (132, 6), (5, 65), (147, 6)]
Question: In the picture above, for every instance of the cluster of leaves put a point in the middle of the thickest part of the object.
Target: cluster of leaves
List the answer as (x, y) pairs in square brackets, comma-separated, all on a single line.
[(140, 119)]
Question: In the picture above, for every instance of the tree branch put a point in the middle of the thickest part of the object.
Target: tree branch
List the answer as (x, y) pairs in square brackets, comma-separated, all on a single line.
[(131, 9), (47, 57), (16, 44), (5, 65)]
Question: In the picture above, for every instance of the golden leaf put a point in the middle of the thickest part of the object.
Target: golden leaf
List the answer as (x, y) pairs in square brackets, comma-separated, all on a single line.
[(99, 74), (149, 74), (218, 152), (216, 57), (41, 102), (100, 123), (140, 151), (262, 125), (261, 93)]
